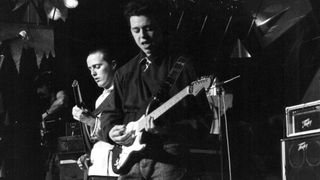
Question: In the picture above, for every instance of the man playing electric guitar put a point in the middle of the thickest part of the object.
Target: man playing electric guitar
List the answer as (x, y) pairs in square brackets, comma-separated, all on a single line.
[(167, 139), (102, 68)]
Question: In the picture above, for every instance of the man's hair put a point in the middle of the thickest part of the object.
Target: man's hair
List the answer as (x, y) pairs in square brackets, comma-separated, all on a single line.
[(151, 8), (107, 56)]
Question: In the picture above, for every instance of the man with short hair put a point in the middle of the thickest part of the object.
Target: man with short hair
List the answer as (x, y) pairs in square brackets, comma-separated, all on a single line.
[(136, 82), (102, 67)]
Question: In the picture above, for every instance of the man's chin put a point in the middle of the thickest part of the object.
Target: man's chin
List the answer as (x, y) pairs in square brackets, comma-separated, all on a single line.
[(147, 52), (100, 85)]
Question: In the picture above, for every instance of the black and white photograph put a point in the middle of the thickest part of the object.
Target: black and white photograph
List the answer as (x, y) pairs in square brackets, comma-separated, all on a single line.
[(159, 90)]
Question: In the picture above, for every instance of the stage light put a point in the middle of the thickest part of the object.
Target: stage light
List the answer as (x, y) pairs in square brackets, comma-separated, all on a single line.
[(54, 14), (239, 50), (260, 20), (71, 3)]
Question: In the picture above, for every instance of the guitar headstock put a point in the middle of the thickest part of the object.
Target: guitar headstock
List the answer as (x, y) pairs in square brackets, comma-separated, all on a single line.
[(204, 82), (75, 83)]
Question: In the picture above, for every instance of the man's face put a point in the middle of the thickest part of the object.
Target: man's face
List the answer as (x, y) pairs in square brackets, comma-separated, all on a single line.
[(101, 71), (146, 33)]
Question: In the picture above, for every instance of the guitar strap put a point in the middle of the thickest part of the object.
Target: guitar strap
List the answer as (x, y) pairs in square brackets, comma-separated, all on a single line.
[(102, 106), (171, 79), (87, 140)]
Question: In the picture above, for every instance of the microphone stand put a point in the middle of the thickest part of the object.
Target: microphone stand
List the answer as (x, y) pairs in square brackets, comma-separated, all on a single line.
[(220, 96), (219, 92), (2, 53)]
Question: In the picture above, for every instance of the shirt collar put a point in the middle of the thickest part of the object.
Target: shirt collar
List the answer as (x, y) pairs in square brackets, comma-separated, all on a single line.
[(145, 59), (152, 58), (106, 91)]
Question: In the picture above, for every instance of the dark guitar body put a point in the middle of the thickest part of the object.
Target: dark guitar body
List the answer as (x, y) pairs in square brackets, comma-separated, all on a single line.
[(133, 158)]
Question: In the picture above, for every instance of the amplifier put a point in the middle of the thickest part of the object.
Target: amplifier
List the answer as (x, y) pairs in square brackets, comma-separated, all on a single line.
[(303, 119), (68, 168), (70, 144), (300, 157), (73, 128)]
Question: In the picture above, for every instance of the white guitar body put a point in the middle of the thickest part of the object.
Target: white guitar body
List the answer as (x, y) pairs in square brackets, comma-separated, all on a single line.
[(136, 146)]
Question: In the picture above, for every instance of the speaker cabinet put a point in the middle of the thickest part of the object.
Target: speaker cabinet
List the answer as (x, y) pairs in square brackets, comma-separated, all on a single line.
[(301, 158)]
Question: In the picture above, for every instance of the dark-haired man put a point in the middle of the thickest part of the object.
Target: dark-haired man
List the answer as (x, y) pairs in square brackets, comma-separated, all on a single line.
[(102, 67), (136, 83)]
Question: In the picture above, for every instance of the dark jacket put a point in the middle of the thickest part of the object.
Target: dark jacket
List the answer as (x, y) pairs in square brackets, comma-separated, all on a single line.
[(183, 124)]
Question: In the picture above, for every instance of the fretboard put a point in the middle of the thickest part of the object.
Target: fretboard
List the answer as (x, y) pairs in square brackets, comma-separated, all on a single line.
[(164, 107)]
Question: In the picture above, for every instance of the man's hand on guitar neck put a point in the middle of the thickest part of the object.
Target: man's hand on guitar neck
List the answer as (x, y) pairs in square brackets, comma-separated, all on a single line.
[(125, 134), (149, 126), (83, 116)]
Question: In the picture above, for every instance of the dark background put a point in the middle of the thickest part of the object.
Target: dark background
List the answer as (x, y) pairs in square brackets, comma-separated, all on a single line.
[(282, 70)]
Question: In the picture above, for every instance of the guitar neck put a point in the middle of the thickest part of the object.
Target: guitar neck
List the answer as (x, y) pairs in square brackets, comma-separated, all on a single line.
[(77, 93), (164, 107)]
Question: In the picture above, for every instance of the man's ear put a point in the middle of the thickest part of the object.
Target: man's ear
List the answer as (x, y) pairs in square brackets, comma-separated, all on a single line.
[(114, 64)]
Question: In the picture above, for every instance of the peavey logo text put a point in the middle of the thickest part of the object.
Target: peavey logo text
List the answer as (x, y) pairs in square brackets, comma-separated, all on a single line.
[(302, 146), (306, 123)]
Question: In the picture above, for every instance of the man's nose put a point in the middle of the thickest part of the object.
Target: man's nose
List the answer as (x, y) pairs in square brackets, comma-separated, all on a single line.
[(143, 33), (93, 73)]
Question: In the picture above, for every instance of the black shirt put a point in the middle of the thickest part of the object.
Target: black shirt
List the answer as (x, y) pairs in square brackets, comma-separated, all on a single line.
[(134, 86)]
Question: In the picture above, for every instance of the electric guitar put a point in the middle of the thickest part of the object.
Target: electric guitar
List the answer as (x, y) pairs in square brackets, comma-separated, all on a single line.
[(125, 156)]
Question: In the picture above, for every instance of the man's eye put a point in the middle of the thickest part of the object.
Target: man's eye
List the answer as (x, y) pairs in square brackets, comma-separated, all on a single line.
[(135, 30), (97, 66), (149, 29)]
